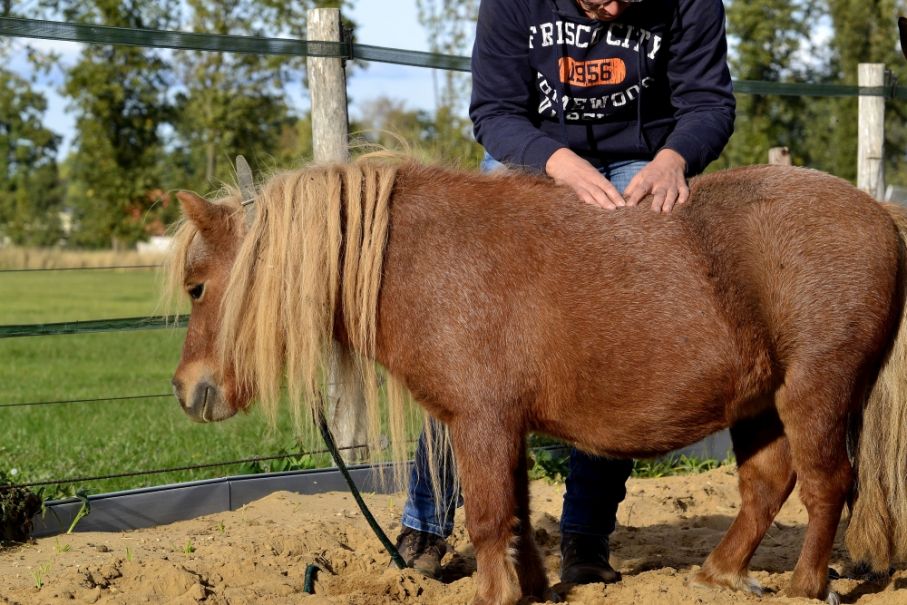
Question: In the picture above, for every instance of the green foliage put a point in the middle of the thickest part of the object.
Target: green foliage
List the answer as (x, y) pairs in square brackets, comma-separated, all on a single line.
[(772, 41), (440, 137), (30, 194), (676, 465), (448, 25), (292, 462), (777, 41), (84, 510), (550, 460), (865, 32), (151, 120), (233, 103), (119, 94), (551, 464), (446, 136)]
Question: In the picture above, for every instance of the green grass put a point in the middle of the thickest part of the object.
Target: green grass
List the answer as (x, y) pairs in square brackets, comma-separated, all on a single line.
[(549, 460), (54, 296), (676, 465), (83, 439)]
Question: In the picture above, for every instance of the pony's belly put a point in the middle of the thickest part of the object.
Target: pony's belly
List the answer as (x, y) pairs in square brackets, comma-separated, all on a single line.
[(628, 431), (654, 444)]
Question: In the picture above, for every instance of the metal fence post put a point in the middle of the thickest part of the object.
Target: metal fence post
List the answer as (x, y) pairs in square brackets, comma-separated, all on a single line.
[(330, 133), (871, 132)]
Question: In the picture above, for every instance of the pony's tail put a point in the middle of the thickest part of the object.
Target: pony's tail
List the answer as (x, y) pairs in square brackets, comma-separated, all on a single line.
[(877, 533)]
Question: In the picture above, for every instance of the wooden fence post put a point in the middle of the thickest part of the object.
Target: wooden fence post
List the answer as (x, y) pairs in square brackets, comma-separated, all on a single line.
[(330, 134), (327, 90), (871, 132), (779, 156)]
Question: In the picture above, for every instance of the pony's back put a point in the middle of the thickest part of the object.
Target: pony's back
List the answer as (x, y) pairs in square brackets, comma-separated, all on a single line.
[(560, 306)]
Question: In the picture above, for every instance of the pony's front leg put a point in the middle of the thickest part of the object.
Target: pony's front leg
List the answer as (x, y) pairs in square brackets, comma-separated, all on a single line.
[(488, 460)]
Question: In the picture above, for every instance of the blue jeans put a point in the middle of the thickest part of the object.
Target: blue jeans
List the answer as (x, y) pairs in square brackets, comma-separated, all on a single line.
[(619, 173), (595, 486)]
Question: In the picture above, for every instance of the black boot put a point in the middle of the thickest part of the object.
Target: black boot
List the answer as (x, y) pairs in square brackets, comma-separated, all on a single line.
[(584, 560)]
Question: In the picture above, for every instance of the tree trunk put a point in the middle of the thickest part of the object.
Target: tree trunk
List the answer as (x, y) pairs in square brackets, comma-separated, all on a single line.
[(210, 162)]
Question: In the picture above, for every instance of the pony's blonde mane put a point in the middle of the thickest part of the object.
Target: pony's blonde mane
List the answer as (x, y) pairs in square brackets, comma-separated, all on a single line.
[(283, 294), (284, 291)]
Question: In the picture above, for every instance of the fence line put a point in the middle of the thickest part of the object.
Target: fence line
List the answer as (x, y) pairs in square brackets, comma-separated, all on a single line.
[(25, 404), (160, 471), (104, 34), (205, 465), (103, 268), (93, 326)]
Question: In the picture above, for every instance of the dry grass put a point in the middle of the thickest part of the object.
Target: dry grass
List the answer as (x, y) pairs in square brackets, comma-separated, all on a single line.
[(13, 257)]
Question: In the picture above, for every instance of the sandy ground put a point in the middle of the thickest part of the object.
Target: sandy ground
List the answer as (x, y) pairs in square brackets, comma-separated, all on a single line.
[(258, 555)]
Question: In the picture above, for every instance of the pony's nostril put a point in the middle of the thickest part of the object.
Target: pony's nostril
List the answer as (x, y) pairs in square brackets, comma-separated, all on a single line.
[(209, 392)]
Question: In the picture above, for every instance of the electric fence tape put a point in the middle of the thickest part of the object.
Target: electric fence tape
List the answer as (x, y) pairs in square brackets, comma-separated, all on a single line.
[(103, 34)]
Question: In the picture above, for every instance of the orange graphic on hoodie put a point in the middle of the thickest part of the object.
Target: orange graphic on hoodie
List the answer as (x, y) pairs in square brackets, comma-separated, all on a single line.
[(596, 72)]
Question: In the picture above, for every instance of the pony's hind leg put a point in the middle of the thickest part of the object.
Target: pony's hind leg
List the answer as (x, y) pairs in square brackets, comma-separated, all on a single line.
[(530, 568), (766, 479), (488, 457), (815, 423)]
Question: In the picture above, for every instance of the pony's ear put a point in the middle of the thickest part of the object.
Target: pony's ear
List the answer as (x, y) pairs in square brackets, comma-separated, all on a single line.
[(203, 214), (902, 28)]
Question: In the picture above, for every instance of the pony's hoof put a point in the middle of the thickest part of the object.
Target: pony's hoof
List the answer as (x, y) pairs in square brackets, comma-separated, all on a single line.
[(733, 581), (751, 586), (553, 596), (833, 598)]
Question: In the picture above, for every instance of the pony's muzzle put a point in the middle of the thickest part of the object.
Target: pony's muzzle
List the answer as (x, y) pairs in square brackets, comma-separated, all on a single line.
[(205, 402)]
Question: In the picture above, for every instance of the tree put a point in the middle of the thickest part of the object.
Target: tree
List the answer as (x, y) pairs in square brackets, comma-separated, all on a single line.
[(120, 96), (30, 195), (433, 137), (864, 32), (238, 103), (151, 120), (774, 41), (449, 24), (768, 38)]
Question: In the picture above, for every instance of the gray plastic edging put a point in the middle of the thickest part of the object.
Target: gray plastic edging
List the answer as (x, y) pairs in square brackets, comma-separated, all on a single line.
[(148, 507), (160, 505)]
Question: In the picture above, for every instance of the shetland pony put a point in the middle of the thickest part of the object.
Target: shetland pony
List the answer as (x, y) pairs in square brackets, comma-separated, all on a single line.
[(771, 303)]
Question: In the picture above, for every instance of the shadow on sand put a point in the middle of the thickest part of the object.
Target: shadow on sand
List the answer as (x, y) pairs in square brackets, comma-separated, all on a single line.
[(682, 545)]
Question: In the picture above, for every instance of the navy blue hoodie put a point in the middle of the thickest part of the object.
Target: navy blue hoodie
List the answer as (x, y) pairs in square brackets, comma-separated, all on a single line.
[(545, 77)]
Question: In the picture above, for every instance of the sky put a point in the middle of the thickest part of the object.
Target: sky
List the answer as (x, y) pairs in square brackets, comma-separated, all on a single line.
[(389, 23)]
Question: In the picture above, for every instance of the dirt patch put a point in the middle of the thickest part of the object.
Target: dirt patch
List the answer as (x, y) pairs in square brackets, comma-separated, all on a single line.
[(258, 555), (17, 508)]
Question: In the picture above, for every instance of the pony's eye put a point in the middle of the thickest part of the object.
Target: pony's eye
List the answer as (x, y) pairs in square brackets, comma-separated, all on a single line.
[(196, 291)]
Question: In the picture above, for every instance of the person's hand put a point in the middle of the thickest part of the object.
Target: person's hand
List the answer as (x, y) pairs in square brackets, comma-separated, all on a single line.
[(567, 168), (663, 178)]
